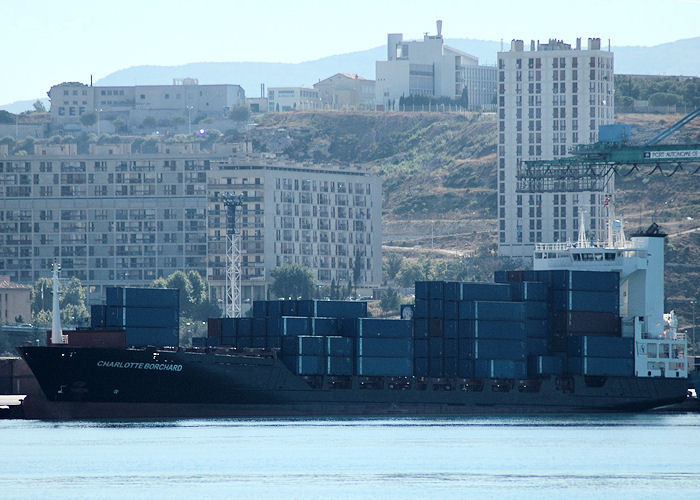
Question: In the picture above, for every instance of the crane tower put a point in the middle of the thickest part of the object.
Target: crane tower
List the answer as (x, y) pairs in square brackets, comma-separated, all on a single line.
[(232, 306)]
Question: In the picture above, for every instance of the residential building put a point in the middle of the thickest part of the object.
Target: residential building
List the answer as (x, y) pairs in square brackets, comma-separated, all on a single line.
[(292, 99), (185, 97), (347, 92), (425, 67), (550, 98), (121, 217), (15, 301), (480, 85)]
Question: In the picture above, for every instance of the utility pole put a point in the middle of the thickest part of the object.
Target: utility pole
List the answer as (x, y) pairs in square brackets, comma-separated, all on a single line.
[(232, 304)]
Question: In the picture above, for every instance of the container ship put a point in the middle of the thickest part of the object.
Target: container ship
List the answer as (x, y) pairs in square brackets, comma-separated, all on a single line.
[(583, 331)]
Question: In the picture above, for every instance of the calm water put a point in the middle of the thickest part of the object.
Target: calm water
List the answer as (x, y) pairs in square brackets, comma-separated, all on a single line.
[(628, 456)]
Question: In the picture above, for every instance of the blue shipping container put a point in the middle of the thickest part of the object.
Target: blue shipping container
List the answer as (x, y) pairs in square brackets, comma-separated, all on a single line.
[(309, 365), (601, 347), (420, 367), (450, 329), (324, 326), (295, 325), (422, 290), (451, 309), (381, 366), (421, 310), (152, 336), (259, 308), (608, 281), (500, 349), (529, 290), (545, 365), (449, 367), (485, 292), (465, 368), (574, 300), (303, 345), (453, 291), (420, 347), (340, 346), (339, 365), (385, 347), (589, 365), (498, 311), (384, 328), (500, 368)]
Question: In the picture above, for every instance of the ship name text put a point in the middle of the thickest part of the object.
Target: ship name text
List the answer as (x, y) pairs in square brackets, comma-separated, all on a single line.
[(140, 366)]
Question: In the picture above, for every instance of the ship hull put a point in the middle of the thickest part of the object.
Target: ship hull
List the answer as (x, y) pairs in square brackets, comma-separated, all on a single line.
[(149, 383)]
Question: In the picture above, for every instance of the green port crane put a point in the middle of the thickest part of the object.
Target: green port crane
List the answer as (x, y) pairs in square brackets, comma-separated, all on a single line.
[(591, 166)]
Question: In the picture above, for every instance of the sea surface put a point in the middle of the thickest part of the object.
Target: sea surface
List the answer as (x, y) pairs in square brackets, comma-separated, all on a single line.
[(583, 456)]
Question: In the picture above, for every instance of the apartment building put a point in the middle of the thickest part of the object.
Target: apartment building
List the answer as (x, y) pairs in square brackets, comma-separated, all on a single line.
[(345, 91), (118, 217), (322, 217), (550, 98)]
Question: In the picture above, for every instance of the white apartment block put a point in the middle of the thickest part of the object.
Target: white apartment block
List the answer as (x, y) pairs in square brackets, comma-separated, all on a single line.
[(347, 92), (117, 217), (550, 99), (132, 104), (425, 67), (322, 217), (292, 99)]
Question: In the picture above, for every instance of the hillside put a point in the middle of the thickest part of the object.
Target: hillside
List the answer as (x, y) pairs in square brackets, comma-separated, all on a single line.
[(438, 173)]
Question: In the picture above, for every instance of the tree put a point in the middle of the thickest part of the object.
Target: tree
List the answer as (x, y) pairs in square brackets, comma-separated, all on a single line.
[(149, 122), (119, 126), (293, 280), (389, 300), (392, 265), (179, 281), (88, 119), (239, 113), (177, 120), (412, 272), (39, 107), (71, 303)]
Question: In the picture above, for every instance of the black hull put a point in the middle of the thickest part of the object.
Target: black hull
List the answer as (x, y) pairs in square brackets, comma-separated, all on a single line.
[(149, 383)]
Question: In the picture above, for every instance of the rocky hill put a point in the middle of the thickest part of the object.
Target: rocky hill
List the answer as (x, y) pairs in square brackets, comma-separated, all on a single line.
[(438, 173)]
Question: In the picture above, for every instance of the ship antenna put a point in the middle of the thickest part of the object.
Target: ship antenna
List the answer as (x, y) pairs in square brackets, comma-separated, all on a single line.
[(56, 331), (581, 229)]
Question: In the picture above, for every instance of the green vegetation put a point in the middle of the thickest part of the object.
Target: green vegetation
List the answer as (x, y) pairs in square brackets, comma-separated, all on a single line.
[(680, 91), (239, 113), (71, 301), (194, 301), (293, 280)]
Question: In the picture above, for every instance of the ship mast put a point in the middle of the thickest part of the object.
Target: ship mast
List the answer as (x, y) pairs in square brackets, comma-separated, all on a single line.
[(56, 331)]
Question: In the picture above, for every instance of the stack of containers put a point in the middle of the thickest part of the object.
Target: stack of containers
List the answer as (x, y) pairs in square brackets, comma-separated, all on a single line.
[(384, 347), (596, 355), (430, 314), (584, 303), (493, 334), (150, 316)]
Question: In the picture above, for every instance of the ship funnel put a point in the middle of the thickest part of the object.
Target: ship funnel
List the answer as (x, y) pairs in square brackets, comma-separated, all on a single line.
[(56, 331)]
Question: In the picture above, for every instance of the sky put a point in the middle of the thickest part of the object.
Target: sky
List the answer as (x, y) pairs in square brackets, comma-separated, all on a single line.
[(45, 42)]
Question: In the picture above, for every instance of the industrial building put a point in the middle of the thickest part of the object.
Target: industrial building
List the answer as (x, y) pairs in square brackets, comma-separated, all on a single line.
[(344, 91), (550, 98), (292, 99), (428, 67), (117, 217), (132, 104)]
